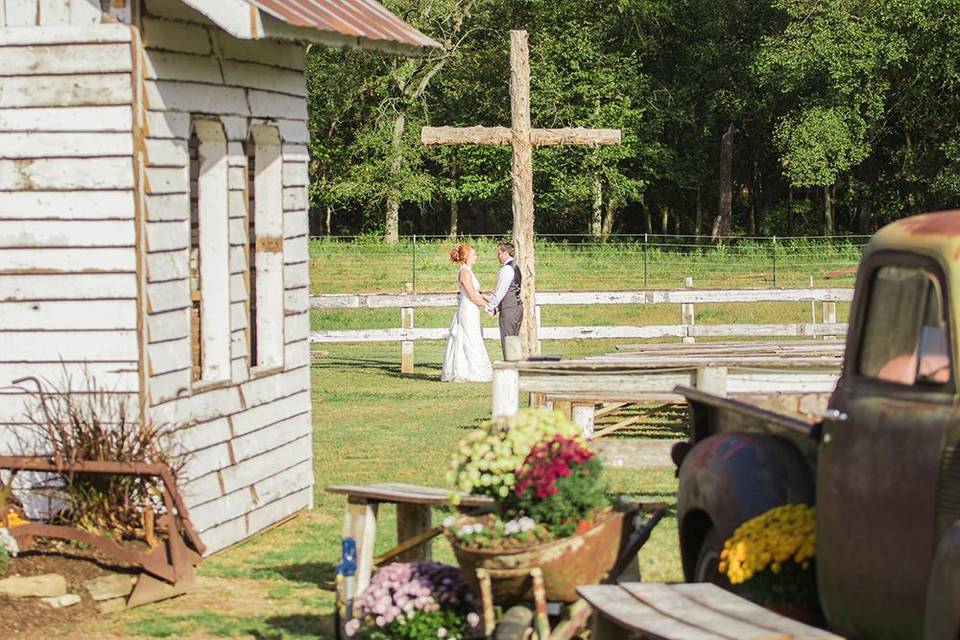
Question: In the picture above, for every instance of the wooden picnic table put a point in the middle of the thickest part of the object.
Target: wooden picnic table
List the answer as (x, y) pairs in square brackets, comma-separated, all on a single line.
[(415, 528), (686, 612), (642, 378)]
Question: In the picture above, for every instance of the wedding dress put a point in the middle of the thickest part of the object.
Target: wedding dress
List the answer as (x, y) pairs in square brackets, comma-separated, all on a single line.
[(465, 359)]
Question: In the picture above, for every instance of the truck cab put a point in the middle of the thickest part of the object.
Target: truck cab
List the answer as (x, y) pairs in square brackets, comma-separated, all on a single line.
[(882, 465)]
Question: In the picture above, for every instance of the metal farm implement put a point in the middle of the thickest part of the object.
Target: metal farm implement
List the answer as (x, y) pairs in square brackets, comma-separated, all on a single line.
[(166, 570)]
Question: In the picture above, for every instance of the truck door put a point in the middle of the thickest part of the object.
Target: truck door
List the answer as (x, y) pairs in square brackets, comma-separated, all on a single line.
[(878, 463)]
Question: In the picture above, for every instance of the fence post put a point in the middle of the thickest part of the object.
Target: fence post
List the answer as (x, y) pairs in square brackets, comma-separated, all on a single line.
[(406, 322), (413, 267), (536, 313), (829, 314), (687, 314), (644, 261), (774, 261), (813, 306)]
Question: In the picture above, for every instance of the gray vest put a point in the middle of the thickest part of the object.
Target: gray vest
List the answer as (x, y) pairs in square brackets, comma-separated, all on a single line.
[(512, 297)]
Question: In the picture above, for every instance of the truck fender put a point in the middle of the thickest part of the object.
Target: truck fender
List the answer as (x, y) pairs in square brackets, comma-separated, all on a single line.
[(726, 479), (942, 620)]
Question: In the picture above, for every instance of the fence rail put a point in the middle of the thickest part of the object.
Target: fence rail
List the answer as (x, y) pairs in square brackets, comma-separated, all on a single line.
[(687, 329)]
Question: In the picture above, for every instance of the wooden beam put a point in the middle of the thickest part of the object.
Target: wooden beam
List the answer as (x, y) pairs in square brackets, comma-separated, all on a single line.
[(574, 135), (498, 136)]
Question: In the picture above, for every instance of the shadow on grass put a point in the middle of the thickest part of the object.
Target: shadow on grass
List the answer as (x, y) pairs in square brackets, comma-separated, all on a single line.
[(297, 626), (320, 574)]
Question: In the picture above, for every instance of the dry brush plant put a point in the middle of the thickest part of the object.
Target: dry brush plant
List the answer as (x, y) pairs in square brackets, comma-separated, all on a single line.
[(70, 424)]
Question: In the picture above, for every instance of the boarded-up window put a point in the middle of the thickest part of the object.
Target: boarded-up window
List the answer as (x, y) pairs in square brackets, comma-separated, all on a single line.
[(264, 166), (209, 252)]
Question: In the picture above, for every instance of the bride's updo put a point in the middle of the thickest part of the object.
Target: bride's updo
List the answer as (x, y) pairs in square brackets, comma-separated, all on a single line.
[(459, 254)]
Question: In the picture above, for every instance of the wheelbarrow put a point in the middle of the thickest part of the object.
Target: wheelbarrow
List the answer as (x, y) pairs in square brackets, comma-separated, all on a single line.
[(551, 572)]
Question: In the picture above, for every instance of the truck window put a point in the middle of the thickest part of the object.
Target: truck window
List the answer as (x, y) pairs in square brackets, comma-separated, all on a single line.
[(905, 331)]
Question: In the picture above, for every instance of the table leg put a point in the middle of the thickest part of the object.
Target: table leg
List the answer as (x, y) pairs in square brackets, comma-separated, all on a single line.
[(603, 629), (414, 519), (360, 523)]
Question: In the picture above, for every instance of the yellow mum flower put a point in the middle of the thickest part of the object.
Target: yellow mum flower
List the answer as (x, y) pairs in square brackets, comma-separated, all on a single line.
[(781, 535)]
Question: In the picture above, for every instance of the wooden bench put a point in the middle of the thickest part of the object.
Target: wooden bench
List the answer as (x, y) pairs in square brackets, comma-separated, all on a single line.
[(415, 529), (686, 612)]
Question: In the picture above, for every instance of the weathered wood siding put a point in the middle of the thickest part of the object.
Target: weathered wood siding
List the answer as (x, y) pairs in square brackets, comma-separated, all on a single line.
[(250, 437), (31, 13), (68, 281)]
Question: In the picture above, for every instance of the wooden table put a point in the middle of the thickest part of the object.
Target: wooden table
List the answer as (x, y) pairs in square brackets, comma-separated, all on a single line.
[(686, 612), (643, 378), (415, 528)]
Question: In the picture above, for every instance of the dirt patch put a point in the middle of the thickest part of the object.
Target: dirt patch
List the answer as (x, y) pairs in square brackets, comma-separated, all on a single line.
[(30, 617)]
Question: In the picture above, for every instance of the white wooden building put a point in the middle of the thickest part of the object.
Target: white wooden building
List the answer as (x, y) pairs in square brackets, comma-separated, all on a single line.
[(153, 224)]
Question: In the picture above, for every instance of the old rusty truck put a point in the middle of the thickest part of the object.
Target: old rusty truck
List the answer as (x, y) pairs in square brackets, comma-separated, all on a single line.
[(881, 463)]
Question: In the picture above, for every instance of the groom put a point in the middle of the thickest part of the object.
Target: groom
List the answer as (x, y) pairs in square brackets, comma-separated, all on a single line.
[(506, 297)]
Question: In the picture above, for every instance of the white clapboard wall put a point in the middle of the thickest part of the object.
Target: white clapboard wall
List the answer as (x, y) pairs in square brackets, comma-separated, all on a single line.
[(94, 244), (251, 461)]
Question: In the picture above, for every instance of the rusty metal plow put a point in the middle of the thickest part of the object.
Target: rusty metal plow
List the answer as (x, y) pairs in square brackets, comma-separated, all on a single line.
[(167, 570)]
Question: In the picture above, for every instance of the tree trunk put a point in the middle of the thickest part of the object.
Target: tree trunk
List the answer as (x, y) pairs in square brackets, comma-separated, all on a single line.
[(864, 218), (789, 211), (827, 211), (609, 217), (721, 226), (391, 234), (454, 201), (665, 220), (596, 219), (327, 221), (647, 219), (698, 221)]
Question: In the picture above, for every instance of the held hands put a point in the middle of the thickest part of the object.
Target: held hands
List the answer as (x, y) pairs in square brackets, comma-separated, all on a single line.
[(491, 313)]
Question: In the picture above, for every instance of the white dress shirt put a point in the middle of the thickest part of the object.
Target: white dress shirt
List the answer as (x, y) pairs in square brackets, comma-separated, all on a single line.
[(504, 278)]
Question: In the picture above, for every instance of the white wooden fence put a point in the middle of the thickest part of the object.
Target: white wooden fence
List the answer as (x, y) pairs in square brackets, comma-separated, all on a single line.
[(686, 329)]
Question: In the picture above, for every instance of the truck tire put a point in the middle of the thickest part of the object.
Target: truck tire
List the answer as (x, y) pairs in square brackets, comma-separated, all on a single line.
[(707, 568)]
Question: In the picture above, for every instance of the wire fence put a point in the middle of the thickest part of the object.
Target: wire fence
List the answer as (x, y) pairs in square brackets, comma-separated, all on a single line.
[(346, 264)]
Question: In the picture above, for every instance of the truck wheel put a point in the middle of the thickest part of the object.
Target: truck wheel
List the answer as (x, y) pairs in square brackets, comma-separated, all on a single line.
[(708, 560)]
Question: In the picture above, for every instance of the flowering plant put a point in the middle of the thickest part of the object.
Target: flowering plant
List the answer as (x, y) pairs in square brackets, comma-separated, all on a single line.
[(772, 553), (491, 530), (414, 601), (560, 485), (488, 458)]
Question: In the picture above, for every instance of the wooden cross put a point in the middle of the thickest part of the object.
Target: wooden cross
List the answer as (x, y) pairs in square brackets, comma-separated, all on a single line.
[(522, 138)]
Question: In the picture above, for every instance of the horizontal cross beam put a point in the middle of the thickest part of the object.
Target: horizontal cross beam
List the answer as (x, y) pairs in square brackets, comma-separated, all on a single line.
[(502, 136)]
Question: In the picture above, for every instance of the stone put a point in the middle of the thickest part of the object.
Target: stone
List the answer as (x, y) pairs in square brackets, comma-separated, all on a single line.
[(115, 585), (112, 606), (47, 585), (62, 602)]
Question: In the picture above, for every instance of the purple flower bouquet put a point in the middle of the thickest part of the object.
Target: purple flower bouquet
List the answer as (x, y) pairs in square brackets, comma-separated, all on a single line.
[(415, 601)]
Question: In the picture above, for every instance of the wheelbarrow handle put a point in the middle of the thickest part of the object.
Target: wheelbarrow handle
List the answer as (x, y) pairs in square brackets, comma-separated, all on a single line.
[(636, 540)]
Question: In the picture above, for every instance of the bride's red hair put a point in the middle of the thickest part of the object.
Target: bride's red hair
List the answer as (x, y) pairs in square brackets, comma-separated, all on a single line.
[(459, 254)]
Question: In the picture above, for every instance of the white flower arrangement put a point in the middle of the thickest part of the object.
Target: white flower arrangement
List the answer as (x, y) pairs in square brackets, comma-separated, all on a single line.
[(8, 542)]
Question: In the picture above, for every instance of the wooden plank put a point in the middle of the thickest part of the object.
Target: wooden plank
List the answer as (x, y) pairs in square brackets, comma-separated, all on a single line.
[(264, 78), (92, 286), (69, 315), (54, 12), (406, 494), (68, 34), (66, 233), (168, 207), (715, 598), (66, 91), (278, 54), (676, 605), (295, 224), (50, 261), (66, 205), (195, 97), (65, 59), (169, 65), (295, 174), (268, 515), (412, 521), (175, 36), (66, 174), (617, 605), (53, 346), (21, 13), (168, 124), (167, 235), (167, 180), (121, 376), (201, 436), (85, 12), (268, 438), (267, 388), (284, 483), (246, 472), (167, 265), (167, 153), (204, 405), (115, 118), (168, 296), (168, 386)]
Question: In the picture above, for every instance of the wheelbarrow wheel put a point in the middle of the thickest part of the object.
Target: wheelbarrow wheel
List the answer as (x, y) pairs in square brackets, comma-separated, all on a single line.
[(516, 624)]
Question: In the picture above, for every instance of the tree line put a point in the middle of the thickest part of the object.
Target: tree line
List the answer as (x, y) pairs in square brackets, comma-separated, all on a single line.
[(739, 117)]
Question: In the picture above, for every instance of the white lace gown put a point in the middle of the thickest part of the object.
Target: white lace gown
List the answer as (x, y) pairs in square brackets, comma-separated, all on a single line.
[(465, 359)]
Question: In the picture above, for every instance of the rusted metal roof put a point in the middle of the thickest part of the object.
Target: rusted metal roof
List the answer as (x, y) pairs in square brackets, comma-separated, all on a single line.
[(366, 22)]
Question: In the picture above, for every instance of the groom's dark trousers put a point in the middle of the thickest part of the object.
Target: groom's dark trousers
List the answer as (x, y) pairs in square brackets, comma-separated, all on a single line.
[(511, 315)]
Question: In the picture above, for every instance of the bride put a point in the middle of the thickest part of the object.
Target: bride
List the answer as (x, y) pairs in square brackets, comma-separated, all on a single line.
[(465, 359)]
